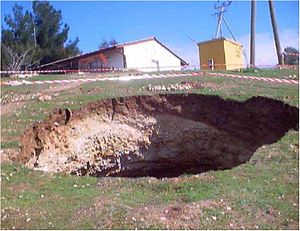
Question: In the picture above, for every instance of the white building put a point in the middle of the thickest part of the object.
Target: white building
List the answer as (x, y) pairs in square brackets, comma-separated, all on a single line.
[(143, 55)]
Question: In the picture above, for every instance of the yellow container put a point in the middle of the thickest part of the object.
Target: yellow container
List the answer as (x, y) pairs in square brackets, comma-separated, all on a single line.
[(220, 54)]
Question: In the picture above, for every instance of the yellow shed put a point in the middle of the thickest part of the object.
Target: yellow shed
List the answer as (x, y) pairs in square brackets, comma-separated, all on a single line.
[(220, 54)]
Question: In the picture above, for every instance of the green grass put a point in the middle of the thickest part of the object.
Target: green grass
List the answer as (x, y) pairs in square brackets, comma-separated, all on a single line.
[(55, 195), (10, 144), (267, 72), (24, 89), (262, 193)]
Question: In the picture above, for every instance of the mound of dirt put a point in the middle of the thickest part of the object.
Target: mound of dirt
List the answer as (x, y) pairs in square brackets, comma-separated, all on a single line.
[(160, 136)]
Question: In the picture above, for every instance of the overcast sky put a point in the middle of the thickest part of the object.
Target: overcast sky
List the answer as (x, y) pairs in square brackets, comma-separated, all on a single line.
[(173, 23)]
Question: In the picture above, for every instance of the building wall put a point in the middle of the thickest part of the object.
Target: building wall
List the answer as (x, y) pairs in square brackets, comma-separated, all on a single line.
[(110, 58), (91, 62), (150, 56), (226, 55), (233, 55), (115, 58), (147, 55), (213, 49)]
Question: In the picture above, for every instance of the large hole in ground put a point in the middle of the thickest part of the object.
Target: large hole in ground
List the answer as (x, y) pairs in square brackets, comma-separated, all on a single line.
[(160, 136)]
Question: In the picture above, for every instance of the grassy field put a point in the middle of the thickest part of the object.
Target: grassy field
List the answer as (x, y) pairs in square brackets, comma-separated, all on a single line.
[(261, 194), (267, 72)]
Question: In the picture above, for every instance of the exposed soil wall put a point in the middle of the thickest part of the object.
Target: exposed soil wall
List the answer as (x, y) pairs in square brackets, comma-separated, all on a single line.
[(161, 136)]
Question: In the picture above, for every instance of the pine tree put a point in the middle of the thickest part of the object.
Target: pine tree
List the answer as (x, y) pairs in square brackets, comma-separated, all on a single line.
[(51, 33), (36, 38), (17, 42)]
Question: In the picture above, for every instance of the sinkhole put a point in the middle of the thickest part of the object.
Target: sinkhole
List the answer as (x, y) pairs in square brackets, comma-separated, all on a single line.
[(158, 136)]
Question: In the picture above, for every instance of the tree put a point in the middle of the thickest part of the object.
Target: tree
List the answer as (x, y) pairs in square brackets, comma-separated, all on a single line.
[(51, 33), (104, 44), (113, 42), (291, 56), (17, 42), (17, 61), (36, 37)]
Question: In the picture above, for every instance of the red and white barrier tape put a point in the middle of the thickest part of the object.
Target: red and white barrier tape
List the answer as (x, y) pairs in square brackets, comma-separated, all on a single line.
[(148, 76), (292, 54), (272, 80), (59, 71), (94, 70), (110, 69)]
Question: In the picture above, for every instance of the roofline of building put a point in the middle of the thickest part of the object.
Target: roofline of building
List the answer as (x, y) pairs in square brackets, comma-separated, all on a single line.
[(183, 62), (111, 48), (149, 39), (78, 56), (135, 42), (220, 39)]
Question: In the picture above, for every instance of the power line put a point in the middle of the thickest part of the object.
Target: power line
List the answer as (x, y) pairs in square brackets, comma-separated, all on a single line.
[(221, 7)]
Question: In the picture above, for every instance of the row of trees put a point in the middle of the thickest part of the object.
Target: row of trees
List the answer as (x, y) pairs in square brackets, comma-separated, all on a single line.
[(37, 37)]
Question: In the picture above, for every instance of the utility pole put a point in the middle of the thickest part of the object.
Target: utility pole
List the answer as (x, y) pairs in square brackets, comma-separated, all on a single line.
[(219, 27), (252, 36), (221, 8), (275, 33)]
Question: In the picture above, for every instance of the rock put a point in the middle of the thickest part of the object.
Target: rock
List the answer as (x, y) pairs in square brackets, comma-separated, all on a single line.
[(183, 86), (43, 98)]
